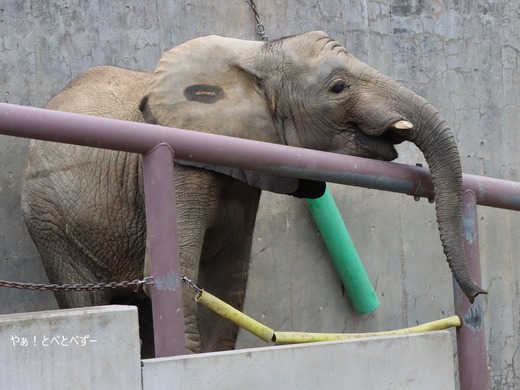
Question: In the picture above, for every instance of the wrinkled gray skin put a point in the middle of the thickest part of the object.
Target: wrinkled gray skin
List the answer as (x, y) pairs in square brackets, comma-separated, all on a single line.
[(84, 207)]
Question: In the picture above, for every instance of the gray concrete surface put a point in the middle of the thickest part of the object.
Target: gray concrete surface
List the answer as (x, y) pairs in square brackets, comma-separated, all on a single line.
[(71, 349), (395, 362), (86, 349), (460, 55)]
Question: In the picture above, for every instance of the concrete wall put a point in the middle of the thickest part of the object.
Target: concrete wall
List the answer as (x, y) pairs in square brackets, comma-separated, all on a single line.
[(460, 55), (316, 366), (85, 349), (71, 349)]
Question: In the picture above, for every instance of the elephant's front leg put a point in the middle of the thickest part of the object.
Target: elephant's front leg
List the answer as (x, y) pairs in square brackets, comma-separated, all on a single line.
[(224, 265), (198, 195)]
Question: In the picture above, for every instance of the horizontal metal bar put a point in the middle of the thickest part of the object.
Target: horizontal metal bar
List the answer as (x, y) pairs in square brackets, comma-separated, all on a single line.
[(275, 159)]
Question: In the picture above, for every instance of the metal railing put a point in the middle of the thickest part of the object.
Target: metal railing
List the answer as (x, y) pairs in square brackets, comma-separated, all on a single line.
[(160, 145)]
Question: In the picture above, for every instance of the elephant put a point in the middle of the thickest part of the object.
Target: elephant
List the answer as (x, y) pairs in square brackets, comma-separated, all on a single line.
[(84, 206)]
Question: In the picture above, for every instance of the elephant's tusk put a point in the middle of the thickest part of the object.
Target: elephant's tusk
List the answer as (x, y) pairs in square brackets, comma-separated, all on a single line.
[(402, 125)]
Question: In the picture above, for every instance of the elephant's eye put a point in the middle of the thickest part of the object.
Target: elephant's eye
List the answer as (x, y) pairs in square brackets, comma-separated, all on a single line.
[(338, 87)]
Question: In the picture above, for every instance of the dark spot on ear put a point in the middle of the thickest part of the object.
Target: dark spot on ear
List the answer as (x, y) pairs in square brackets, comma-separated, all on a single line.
[(145, 110), (204, 93)]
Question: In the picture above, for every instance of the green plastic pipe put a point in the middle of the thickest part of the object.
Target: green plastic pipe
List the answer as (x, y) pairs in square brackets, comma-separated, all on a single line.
[(343, 253)]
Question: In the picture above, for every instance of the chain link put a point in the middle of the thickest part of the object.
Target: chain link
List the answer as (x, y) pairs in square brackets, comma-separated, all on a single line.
[(259, 26), (191, 284), (135, 284)]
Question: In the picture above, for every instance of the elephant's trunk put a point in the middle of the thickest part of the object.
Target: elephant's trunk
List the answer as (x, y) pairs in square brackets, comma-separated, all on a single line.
[(433, 137), (437, 143)]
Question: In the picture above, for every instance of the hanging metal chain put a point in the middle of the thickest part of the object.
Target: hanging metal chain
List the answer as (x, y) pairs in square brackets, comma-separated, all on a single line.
[(135, 284), (259, 26)]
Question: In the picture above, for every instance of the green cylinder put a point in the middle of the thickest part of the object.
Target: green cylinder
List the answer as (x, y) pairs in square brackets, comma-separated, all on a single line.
[(343, 253)]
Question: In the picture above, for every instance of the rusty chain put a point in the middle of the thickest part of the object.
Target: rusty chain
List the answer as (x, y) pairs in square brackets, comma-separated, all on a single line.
[(259, 26), (135, 284)]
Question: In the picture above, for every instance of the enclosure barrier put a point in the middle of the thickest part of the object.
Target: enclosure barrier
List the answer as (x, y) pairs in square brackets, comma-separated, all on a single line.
[(160, 145)]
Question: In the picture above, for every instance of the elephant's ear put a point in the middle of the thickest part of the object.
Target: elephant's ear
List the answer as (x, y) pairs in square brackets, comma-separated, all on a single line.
[(200, 85)]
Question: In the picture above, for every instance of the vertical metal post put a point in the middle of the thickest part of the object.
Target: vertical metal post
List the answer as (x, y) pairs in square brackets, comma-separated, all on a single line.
[(163, 251), (471, 340)]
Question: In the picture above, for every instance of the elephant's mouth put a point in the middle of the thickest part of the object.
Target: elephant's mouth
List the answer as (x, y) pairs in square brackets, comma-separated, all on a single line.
[(381, 147)]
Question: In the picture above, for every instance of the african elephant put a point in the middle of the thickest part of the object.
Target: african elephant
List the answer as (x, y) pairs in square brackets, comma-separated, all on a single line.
[(84, 206)]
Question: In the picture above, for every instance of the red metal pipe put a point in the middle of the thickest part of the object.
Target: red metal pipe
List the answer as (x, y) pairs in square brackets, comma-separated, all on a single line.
[(471, 339), (135, 137), (163, 251), (503, 194)]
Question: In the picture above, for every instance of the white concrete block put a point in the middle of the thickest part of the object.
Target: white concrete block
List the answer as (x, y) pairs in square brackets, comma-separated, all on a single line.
[(85, 348), (418, 361)]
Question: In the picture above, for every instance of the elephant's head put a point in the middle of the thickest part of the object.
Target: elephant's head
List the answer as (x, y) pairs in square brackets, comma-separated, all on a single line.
[(308, 91)]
